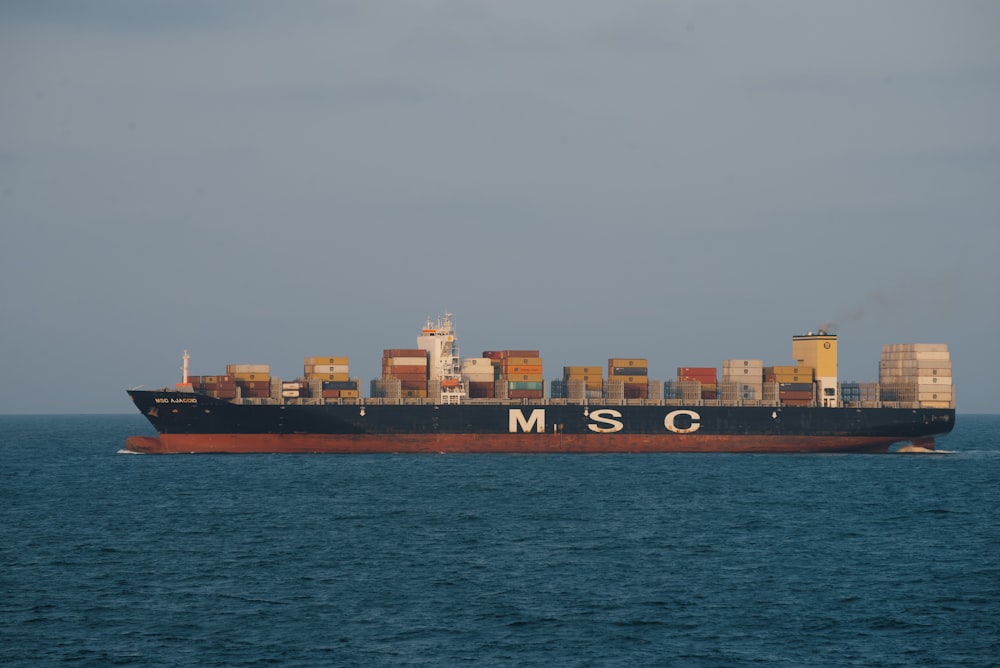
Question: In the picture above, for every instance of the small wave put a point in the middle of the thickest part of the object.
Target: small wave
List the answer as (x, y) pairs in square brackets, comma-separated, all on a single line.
[(123, 451)]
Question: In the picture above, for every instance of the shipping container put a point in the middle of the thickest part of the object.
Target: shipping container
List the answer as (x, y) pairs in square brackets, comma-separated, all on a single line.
[(583, 371), (524, 394), (508, 362), (413, 385), (628, 371), (251, 376), (326, 360), (525, 377), (627, 361), (326, 368), (530, 369), (339, 385), (233, 369), (526, 385), (404, 352)]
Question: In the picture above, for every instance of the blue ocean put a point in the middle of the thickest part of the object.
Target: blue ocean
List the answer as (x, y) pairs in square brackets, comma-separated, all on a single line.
[(551, 560)]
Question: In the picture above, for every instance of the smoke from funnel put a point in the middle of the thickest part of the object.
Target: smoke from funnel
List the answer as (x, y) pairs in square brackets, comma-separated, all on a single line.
[(877, 300)]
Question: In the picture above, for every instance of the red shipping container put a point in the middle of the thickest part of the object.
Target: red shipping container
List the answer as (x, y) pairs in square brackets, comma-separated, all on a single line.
[(525, 394), (413, 385)]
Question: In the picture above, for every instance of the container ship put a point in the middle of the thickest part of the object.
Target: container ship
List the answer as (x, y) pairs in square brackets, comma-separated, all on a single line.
[(430, 399)]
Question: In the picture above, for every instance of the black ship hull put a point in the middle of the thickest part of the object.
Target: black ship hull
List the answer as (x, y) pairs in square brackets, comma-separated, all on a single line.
[(189, 422)]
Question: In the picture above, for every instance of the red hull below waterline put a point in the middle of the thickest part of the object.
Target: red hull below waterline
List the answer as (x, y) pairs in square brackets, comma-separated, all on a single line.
[(506, 443)]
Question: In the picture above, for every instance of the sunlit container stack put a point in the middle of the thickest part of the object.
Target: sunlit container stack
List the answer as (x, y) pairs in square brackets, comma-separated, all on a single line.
[(409, 367), (742, 380), (707, 376), (479, 376), (917, 372), (795, 384), (519, 370), (220, 387), (252, 380), (632, 373), (333, 376), (583, 382)]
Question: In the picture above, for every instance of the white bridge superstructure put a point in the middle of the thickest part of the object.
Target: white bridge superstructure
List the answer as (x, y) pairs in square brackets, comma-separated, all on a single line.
[(443, 363)]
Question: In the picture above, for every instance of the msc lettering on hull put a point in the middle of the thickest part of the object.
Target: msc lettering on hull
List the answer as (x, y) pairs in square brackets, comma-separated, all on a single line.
[(604, 421), (536, 420)]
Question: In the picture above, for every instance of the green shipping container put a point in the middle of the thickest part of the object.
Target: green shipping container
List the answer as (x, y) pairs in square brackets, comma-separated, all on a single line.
[(525, 385)]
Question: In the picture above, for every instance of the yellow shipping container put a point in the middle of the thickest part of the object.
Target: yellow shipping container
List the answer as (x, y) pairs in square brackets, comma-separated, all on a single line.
[(790, 370), (790, 378), (524, 377), (627, 361), (251, 376), (582, 371), (349, 394), (326, 360)]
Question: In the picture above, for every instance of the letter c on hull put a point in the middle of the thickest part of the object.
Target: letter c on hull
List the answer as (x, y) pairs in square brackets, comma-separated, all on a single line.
[(669, 422)]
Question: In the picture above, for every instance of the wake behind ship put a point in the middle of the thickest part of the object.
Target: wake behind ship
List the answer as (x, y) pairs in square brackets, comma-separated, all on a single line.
[(430, 399)]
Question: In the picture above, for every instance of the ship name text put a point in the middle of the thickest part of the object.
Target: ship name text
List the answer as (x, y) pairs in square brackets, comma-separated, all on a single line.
[(176, 400), (603, 421)]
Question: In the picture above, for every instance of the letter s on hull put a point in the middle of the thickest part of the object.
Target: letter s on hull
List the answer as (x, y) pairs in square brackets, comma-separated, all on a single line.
[(670, 424), (606, 416)]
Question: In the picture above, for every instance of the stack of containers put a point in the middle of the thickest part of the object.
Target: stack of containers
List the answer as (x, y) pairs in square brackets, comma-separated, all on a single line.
[(520, 371), (409, 366), (220, 387), (742, 380), (917, 372), (333, 375), (583, 382), (478, 374), (707, 376), (633, 373), (795, 384), (859, 394), (253, 380), (294, 389)]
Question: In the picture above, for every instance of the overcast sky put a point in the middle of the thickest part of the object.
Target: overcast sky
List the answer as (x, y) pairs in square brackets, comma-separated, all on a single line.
[(688, 182)]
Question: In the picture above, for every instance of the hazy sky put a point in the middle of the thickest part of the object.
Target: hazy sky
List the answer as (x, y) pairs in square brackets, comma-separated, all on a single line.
[(258, 182)]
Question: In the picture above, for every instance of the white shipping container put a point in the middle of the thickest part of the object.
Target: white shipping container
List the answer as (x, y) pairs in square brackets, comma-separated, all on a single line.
[(478, 377), (291, 394), (931, 355), (935, 396), (743, 373), (741, 364), (915, 347), (933, 380), (915, 364), (409, 361), (915, 373)]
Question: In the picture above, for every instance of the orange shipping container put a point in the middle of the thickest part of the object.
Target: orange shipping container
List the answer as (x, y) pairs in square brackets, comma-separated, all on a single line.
[(513, 370)]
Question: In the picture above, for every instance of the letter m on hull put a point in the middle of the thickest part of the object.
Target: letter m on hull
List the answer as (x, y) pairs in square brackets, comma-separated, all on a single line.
[(534, 422)]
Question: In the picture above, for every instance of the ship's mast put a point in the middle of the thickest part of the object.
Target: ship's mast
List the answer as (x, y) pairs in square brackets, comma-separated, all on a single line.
[(185, 367), (444, 363)]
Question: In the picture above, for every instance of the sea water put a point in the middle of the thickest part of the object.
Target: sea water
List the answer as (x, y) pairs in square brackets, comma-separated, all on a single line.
[(577, 560)]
